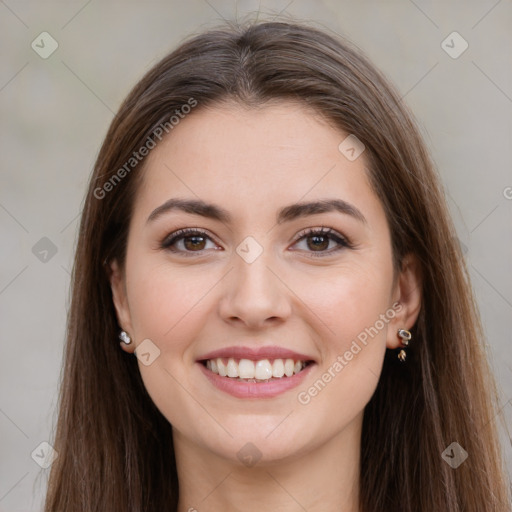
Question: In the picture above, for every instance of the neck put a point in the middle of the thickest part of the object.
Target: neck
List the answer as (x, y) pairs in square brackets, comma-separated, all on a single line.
[(325, 478)]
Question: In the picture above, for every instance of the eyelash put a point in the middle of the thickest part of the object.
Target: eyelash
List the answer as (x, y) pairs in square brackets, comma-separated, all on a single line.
[(181, 234)]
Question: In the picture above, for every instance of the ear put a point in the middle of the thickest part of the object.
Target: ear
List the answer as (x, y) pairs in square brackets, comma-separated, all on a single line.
[(407, 293), (119, 297)]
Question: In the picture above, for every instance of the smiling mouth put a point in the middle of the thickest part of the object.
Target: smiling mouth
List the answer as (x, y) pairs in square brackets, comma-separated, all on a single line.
[(262, 370)]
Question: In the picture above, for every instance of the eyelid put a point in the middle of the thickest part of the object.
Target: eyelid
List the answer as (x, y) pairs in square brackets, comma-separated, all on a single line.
[(324, 230), (342, 240)]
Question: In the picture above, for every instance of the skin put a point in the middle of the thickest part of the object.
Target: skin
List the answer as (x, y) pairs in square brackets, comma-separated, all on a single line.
[(253, 162)]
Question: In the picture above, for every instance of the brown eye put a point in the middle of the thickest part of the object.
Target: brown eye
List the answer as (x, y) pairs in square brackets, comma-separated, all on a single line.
[(194, 243), (188, 241), (321, 242), (318, 242)]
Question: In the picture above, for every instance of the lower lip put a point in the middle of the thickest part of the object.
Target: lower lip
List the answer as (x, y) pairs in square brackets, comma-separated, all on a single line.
[(241, 389)]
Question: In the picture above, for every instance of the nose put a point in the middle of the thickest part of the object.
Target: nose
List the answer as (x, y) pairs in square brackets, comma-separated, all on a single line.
[(253, 296)]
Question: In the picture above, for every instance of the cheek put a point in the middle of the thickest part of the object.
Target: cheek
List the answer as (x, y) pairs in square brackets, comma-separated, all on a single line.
[(354, 304), (347, 378), (347, 301), (164, 300), (168, 307)]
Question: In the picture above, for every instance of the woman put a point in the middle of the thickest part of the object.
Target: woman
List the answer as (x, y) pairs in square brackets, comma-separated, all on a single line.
[(266, 235)]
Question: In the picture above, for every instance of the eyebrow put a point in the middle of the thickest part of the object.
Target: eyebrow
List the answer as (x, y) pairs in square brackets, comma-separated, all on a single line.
[(286, 214)]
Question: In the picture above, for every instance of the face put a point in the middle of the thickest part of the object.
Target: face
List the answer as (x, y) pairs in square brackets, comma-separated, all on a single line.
[(258, 249)]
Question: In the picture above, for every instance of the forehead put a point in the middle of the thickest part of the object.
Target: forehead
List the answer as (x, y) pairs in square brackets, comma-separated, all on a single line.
[(276, 153)]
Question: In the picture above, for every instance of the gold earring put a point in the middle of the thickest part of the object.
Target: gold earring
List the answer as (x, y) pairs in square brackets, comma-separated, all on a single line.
[(405, 336)]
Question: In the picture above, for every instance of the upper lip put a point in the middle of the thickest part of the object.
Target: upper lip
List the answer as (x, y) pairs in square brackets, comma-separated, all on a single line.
[(255, 354)]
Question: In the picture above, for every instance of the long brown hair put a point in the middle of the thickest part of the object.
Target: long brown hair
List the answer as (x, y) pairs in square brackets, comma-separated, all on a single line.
[(115, 448)]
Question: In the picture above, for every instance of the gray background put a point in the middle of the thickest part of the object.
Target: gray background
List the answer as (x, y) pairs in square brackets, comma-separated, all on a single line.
[(55, 112)]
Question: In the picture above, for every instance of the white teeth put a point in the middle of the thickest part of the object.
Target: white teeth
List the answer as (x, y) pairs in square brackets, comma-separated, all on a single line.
[(232, 368), (246, 369), (278, 368), (263, 369), (288, 367), (221, 368)]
